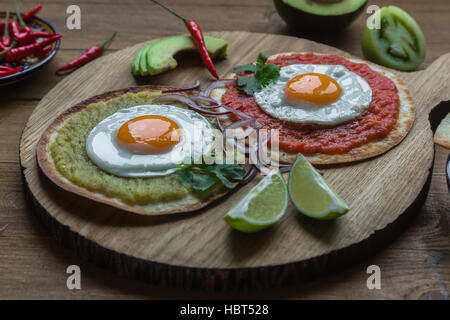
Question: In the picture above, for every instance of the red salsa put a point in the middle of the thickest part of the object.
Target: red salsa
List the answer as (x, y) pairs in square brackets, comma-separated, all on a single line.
[(375, 123)]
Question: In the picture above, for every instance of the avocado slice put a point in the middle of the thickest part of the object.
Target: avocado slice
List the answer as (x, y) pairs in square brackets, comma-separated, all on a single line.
[(319, 15), (158, 56)]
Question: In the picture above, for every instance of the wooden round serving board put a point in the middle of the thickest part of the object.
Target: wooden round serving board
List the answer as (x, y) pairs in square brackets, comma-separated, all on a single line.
[(198, 249)]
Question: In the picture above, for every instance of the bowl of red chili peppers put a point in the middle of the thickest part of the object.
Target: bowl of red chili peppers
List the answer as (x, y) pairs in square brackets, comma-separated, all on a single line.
[(27, 43)]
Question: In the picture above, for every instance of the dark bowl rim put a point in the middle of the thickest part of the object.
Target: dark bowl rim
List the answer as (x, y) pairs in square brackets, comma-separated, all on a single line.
[(39, 64)]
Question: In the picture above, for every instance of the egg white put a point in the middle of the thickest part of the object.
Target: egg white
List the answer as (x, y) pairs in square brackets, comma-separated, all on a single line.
[(355, 97), (103, 149)]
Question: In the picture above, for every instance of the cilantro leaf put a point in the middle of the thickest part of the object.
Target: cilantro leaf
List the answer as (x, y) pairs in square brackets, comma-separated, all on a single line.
[(196, 180), (227, 183), (246, 67), (232, 171), (225, 173), (267, 74), (261, 60), (248, 84), (263, 75), (202, 176)]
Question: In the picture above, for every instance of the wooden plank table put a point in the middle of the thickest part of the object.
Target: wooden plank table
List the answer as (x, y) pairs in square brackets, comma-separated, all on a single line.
[(415, 266)]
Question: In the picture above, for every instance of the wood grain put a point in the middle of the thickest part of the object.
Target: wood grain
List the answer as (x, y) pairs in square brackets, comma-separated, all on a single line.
[(198, 250), (415, 266)]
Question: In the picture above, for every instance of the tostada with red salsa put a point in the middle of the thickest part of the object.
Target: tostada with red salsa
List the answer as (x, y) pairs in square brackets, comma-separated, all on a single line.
[(329, 108)]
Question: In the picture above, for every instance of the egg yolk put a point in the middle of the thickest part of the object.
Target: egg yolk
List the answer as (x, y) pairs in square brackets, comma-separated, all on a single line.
[(312, 88), (150, 134)]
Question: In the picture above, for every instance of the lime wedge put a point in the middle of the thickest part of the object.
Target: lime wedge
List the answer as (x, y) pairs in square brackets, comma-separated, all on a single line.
[(311, 194), (264, 205)]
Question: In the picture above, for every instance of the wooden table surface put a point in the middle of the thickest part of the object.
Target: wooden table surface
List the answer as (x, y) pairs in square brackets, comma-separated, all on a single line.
[(32, 266)]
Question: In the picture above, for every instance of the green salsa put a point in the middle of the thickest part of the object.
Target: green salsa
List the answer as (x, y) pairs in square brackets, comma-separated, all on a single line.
[(68, 151)]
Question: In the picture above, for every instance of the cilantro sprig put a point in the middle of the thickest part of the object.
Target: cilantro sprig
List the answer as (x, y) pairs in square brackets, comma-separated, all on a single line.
[(263, 75), (203, 176)]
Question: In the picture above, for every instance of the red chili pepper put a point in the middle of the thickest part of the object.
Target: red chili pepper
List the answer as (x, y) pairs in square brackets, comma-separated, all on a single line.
[(26, 17), (36, 34), (30, 14), (5, 41), (10, 72), (22, 33), (24, 51), (197, 36), (22, 37), (15, 29), (5, 68), (89, 55), (2, 53), (44, 51)]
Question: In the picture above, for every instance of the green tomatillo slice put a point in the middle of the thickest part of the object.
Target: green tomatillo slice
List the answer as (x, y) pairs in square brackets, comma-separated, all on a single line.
[(398, 43)]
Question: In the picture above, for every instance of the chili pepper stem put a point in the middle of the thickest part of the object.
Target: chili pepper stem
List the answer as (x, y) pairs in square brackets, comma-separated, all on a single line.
[(186, 21), (13, 44), (87, 56), (197, 37), (19, 17), (6, 31), (107, 42)]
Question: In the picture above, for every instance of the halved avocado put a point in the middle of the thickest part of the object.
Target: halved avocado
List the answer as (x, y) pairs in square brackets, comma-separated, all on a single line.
[(158, 56), (319, 15)]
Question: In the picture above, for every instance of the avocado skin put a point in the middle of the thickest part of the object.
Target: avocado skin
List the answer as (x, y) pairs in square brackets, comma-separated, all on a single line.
[(300, 20)]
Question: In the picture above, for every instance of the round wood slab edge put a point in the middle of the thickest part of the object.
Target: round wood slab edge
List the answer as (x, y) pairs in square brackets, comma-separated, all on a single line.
[(256, 278)]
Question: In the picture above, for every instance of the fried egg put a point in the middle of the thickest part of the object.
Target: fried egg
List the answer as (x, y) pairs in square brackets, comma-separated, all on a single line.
[(149, 140), (314, 93)]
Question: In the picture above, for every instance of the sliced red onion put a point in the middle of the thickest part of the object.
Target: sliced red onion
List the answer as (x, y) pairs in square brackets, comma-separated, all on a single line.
[(269, 136), (190, 103), (263, 169), (201, 99), (229, 142), (196, 86), (221, 128), (173, 97), (198, 103), (240, 123), (285, 168), (261, 156), (255, 154), (242, 149), (217, 84), (234, 145), (225, 143), (253, 151), (249, 176), (267, 169), (170, 102), (247, 132), (242, 115), (258, 125), (237, 112), (207, 112)]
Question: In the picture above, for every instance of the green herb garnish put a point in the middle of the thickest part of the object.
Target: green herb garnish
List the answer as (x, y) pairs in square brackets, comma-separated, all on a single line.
[(263, 75), (203, 176)]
